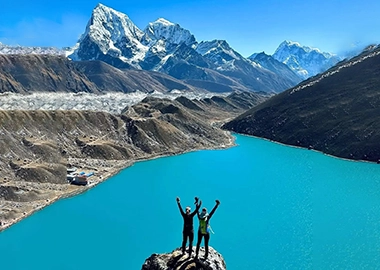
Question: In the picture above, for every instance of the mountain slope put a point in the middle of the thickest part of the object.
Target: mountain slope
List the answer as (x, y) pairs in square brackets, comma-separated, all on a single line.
[(335, 112), (108, 78), (28, 73), (50, 73)]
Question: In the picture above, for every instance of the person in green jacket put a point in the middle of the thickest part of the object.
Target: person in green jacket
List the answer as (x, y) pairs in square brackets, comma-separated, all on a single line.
[(204, 228)]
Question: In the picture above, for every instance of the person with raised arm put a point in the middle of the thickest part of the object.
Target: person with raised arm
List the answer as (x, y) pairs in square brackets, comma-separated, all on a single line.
[(188, 230), (204, 228)]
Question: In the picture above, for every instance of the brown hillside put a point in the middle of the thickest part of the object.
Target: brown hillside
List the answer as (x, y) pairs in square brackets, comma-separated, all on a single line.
[(336, 112)]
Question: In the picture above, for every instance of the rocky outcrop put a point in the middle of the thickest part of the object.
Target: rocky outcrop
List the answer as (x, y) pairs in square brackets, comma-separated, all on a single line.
[(176, 261)]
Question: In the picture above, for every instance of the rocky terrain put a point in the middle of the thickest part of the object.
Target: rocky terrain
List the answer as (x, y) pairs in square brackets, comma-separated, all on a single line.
[(335, 112), (176, 261), (37, 146)]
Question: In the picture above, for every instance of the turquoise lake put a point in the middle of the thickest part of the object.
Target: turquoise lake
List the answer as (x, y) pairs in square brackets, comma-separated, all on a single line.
[(281, 208)]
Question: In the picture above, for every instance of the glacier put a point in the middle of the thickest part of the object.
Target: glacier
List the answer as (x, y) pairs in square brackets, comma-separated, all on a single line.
[(113, 103)]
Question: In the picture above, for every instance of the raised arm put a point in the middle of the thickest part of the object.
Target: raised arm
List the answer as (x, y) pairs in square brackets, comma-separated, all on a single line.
[(179, 206), (213, 210), (197, 206)]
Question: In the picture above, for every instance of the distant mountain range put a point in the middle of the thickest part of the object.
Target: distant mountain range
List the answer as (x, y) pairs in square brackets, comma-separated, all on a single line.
[(165, 47), (6, 49), (335, 112), (168, 48)]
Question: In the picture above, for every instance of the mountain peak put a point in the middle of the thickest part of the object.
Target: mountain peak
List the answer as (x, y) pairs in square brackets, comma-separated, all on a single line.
[(163, 22), (113, 24), (110, 33), (260, 54), (162, 29), (290, 43), (100, 5), (294, 44), (206, 47), (100, 8)]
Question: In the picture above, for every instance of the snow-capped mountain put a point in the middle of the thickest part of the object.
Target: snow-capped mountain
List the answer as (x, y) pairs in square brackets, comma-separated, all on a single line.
[(112, 37), (164, 40), (303, 60), (6, 49)]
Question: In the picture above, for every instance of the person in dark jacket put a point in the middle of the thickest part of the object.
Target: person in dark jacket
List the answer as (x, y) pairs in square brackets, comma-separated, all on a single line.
[(188, 230), (203, 231)]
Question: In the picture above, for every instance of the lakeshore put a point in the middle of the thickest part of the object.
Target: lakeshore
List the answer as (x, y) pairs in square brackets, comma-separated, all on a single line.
[(56, 192), (105, 169)]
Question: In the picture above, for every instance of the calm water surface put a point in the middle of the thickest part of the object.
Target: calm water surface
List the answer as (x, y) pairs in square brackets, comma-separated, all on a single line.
[(281, 208)]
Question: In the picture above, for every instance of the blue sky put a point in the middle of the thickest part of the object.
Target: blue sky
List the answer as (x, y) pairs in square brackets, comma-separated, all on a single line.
[(248, 26)]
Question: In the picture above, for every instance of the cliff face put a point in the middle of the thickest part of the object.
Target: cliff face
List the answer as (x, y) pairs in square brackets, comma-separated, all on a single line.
[(176, 261)]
